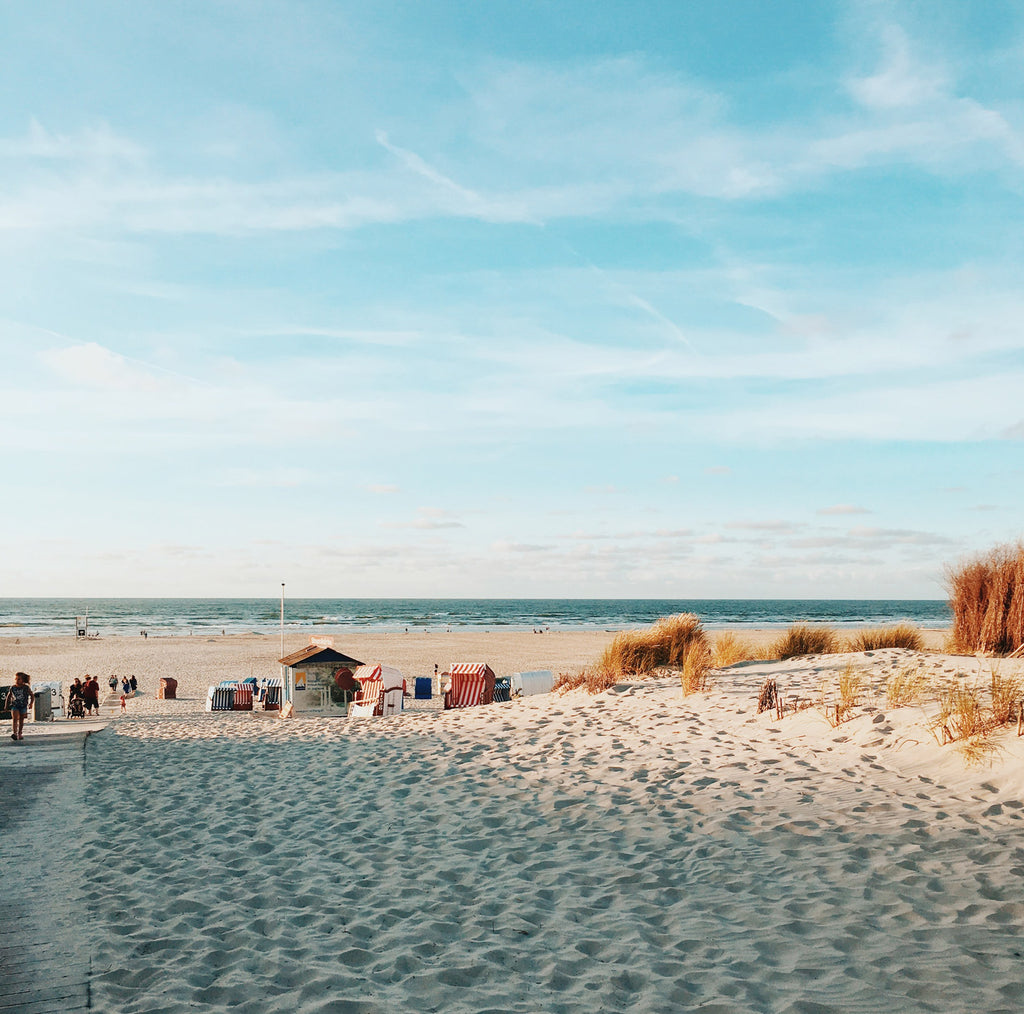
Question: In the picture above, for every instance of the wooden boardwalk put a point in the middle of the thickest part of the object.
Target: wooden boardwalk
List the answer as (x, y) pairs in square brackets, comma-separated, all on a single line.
[(44, 929)]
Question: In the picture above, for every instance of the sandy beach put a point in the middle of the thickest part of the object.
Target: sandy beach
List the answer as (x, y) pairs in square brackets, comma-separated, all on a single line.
[(633, 851)]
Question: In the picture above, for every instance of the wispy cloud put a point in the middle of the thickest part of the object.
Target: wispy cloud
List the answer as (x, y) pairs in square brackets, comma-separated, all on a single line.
[(429, 519), (842, 508)]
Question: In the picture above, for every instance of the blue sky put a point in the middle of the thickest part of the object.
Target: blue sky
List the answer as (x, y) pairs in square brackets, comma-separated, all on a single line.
[(514, 299)]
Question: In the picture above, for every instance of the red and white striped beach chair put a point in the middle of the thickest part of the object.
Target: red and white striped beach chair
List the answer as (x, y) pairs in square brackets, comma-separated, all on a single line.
[(367, 702), (472, 683), (382, 693)]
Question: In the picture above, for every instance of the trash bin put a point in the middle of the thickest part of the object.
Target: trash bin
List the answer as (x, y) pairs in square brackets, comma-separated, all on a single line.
[(168, 689), (54, 691), (43, 707)]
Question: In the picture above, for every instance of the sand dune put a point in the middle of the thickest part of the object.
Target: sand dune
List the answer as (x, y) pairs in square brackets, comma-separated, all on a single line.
[(631, 851)]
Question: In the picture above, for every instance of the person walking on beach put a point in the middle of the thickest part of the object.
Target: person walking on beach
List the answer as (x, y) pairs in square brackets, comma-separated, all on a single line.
[(19, 700), (90, 695)]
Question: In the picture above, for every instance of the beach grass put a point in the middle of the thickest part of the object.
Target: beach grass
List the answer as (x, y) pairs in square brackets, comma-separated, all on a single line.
[(839, 704), (728, 649), (678, 642), (986, 597), (906, 686), (900, 635), (1006, 691), (667, 643), (803, 639), (696, 675)]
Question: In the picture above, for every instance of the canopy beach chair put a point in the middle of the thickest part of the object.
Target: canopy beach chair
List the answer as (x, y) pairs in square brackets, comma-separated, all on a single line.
[(472, 683), (382, 692)]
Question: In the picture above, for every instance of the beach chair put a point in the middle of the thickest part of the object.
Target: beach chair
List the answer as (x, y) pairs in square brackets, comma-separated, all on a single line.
[(392, 699), (243, 697), (502, 691), (537, 681), (368, 703), (472, 683), (424, 688), (269, 694), (221, 697)]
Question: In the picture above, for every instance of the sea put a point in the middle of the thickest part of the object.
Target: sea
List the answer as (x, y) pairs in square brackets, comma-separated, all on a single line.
[(30, 617)]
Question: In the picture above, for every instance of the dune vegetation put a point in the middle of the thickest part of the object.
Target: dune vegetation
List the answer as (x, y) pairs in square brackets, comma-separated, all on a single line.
[(803, 639), (677, 642), (900, 635), (986, 596)]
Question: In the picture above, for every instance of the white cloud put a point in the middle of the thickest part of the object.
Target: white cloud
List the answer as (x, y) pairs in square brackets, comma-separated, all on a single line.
[(902, 80), (428, 519), (98, 144), (764, 526)]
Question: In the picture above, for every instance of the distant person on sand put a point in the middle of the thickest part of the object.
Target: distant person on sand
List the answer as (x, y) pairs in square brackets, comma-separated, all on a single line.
[(126, 687), (112, 683), (133, 683), (19, 700)]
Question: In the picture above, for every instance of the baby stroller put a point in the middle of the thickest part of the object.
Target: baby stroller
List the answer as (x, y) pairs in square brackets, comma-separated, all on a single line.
[(76, 707)]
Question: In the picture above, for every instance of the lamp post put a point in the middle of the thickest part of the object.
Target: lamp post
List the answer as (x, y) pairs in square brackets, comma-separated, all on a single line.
[(285, 695)]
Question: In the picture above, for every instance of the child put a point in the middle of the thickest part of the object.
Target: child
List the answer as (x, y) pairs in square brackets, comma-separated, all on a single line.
[(124, 704), (19, 699)]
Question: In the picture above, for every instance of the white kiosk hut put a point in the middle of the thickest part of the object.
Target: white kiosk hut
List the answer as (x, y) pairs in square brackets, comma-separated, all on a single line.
[(319, 679)]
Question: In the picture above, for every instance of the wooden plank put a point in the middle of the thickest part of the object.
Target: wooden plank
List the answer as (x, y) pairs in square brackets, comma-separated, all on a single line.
[(43, 918)]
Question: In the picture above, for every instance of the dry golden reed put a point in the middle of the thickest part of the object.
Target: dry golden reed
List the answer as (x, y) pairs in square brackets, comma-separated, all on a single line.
[(962, 715), (1006, 692), (804, 639), (696, 669), (678, 641), (986, 596), (901, 635), (570, 680), (906, 686), (666, 643), (845, 696), (730, 649)]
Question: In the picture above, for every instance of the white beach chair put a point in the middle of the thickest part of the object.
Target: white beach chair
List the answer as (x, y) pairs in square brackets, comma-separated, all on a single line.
[(536, 681), (368, 702)]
